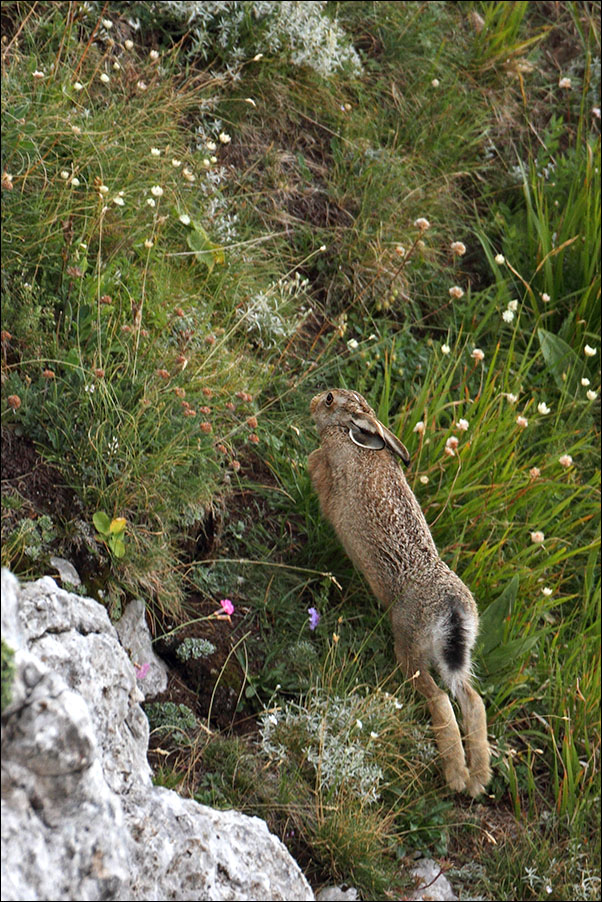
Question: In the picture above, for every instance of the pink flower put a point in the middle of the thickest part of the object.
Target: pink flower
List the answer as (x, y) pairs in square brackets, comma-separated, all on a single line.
[(141, 670), (227, 606)]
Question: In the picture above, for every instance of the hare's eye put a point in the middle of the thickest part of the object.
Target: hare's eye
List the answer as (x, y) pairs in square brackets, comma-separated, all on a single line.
[(329, 399)]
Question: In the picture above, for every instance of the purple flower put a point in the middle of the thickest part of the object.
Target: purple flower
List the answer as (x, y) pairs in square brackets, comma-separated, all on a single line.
[(314, 618)]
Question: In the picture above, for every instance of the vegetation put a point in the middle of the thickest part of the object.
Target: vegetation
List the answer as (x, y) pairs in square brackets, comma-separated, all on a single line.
[(211, 211)]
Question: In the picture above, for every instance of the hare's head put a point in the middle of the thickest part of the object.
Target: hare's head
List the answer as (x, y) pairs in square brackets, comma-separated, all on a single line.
[(347, 410)]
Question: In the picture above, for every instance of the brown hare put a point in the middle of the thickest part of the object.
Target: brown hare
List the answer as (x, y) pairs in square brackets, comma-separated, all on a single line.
[(364, 494)]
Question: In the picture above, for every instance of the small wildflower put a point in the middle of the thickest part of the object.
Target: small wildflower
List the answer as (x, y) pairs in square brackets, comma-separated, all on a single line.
[(545, 297), (352, 344), (547, 591), (128, 44), (252, 422), (154, 55), (522, 421), (106, 299), (419, 427), (422, 224), (148, 243), (456, 292), (314, 618), (477, 354), (14, 401), (77, 87), (589, 351), (566, 460), (104, 78), (585, 382), (155, 152), (235, 464), (107, 24), (151, 202), (164, 374), (227, 606), (7, 181), (75, 182), (463, 425), (99, 372), (38, 74), (510, 397), (537, 537), (208, 392), (513, 305), (451, 445), (564, 83), (373, 735), (499, 259), (141, 85), (534, 472), (398, 704), (591, 395), (445, 349), (157, 191), (507, 316), (206, 163), (176, 163), (103, 189), (206, 427), (91, 388), (435, 83), (224, 138), (543, 408), (119, 200), (458, 247), (141, 670), (254, 439), (188, 175), (117, 66), (596, 112), (359, 724), (184, 218), (65, 173), (48, 374), (400, 250), (424, 480)]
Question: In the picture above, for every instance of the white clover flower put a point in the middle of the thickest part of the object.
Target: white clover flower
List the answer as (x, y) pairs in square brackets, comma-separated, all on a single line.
[(591, 395), (545, 297), (435, 82), (65, 174), (456, 292), (373, 735), (400, 250), (424, 480), (458, 247), (107, 24), (148, 243), (463, 424), (537, 537), (513, 305), (322, 247), (585, 382), (151, 202), (104, 78), (522, 421), (445, 349), (589, 352), (547, 591), (119, 200), (102, 189), (512, 398), (451, 445), (154, 55), (534, 472), (564, 83), (211, 145), (565, 461), (359, 724), (596, 112), (116, 65), (398, 704), (422, 224), (176, 163), (155, 152), (128, 44), (499, 259), (477, 354), (213, 159), (157, 191), (224, 138), (184, 218), (507, 316), (543, 408), (75, 182), (141, 85), (206, 163), (78, 87), (419, 427), (352, 344), (38, 74)]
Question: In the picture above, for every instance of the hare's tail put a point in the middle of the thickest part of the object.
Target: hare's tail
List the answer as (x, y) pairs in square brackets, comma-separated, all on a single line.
[(454, 639)]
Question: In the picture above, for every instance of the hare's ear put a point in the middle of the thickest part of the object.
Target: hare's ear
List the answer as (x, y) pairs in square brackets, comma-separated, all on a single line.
[(368, 432)]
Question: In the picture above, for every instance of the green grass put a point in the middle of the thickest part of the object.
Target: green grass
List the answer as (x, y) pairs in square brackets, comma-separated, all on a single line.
[(163, 358)]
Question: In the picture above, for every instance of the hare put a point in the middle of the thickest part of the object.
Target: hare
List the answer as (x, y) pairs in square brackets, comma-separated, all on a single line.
[(364, 494)]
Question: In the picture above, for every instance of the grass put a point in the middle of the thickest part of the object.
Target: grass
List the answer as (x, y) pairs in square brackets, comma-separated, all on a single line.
[(162, 339)]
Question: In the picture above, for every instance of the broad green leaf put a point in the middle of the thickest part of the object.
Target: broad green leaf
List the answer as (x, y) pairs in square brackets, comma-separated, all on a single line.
[(491, 630), (206, 251), (562, 362), (102, 523), (117, 546)]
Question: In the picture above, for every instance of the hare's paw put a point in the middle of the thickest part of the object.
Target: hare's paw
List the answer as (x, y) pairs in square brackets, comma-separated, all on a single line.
[(456, 775), (480, 776)]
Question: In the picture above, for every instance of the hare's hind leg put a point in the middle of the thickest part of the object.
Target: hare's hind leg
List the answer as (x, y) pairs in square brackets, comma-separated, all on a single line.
[(475, 732), (445, 728)]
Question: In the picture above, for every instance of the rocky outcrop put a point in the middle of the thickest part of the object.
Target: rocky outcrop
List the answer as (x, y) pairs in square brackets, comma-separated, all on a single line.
[(81, 819)]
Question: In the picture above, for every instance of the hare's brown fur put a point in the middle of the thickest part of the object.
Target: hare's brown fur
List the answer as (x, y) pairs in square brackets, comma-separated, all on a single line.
[(364, 494)]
